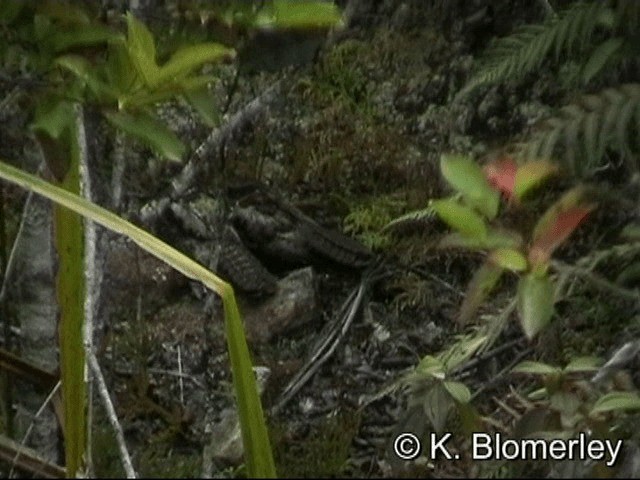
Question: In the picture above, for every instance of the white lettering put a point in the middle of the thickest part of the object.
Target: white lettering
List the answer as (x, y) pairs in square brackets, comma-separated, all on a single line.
[(481, 440)]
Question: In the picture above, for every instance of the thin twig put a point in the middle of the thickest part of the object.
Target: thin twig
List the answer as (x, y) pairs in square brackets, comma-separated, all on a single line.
[(598, 281), (27, 434), (180, 381), (326, 348), (111, 414)]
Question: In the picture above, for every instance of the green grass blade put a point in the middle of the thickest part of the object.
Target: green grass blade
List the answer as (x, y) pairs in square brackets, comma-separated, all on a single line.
[(69, 242), (254, 432)]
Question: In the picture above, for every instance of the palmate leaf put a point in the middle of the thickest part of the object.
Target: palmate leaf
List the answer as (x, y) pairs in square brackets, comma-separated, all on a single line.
[(254, 433)]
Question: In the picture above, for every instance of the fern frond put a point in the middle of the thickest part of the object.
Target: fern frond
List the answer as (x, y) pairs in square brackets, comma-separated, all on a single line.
[(513, 57), (589, 127), (416, 218)]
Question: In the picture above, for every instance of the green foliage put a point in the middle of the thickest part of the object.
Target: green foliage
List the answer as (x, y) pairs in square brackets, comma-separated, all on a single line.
[(257, 449), (471, 213), (570, 33), (608, 119), (368, 220), (598, 37), (322, 453), (573, 403)]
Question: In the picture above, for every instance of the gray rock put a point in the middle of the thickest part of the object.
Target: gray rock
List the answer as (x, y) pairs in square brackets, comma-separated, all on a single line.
[(294, 304)]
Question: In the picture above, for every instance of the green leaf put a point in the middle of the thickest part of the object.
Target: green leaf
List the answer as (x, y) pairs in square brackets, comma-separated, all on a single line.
[(205, 104), (83, 36), (54, 117), (437, 404), (583, 364), (601, 57), (617, 401), (254, 433), (151, 132), (461, 351), (142, 50), (483, 282), (297, 14), (88, 75), (461, 218), (69, 242), (536, 368), (509, 259), (432, 367), (189, 58), (120, 72), (535, 303), (467, 177), (458, 391), (532, 174)]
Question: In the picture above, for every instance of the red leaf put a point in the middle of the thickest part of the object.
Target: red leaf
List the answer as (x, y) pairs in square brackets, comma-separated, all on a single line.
[(558, 230), (501, 175)]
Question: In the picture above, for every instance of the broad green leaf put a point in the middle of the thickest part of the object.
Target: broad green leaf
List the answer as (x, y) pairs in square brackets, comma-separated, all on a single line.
[(601, 57), (299, 14), (467, 177), (256, 441), (53, 117), (205, 104), (83, 36), (535, 303), (142, 50), (458, 391), (432, 367), (536, 368), (461, 218), (483, 282), (66, 13), (150, 131), (583, 364), (617, 401), (567, 403), (509, 259), (532, 174), (437, 404), (189, 58), (88, 75), (120, 72)]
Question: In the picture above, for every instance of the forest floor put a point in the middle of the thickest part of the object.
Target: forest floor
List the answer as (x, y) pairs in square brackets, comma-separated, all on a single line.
[(353, 140)]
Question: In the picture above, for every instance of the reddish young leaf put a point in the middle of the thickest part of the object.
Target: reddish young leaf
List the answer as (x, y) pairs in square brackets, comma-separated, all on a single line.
[(532, 174), (556, 232), (501, 175)]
